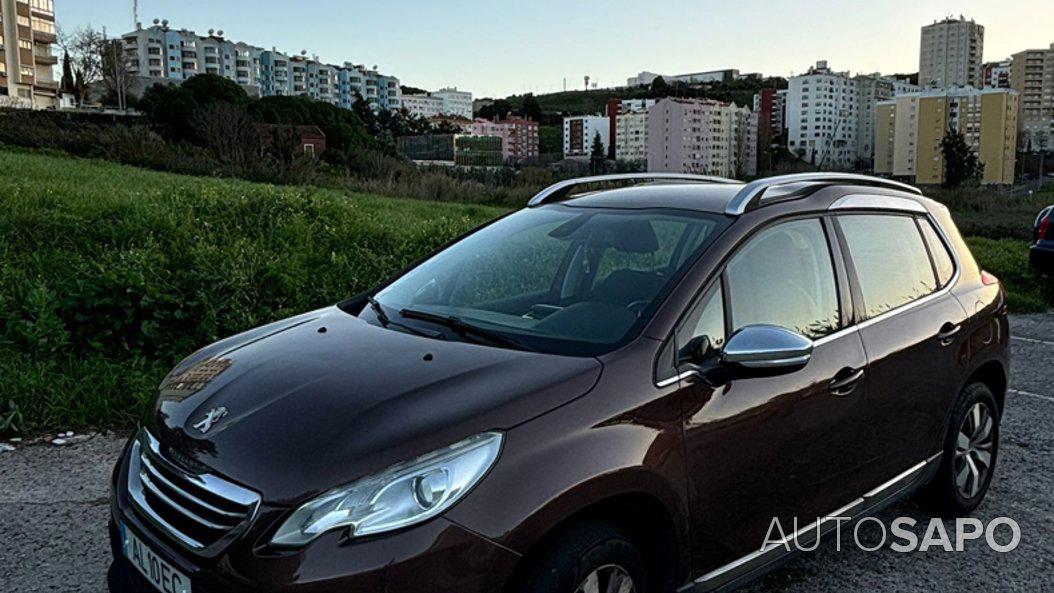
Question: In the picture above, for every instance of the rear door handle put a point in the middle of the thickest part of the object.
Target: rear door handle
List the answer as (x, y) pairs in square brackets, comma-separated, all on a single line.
[(947, 333), (846, 381)]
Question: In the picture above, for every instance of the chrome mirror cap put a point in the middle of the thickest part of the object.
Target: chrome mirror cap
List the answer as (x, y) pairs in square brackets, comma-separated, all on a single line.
[(767, 347)]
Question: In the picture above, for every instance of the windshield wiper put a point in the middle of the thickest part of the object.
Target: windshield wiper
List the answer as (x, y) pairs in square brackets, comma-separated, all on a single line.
[(465, 329), (382, 317)]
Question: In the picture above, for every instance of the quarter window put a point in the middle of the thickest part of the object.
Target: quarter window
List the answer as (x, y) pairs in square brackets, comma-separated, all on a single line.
[(892, 265), (706, 320), (942, 259), (785, 277)]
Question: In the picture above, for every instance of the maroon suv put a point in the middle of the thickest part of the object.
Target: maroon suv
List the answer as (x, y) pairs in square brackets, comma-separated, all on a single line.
[(614, 391)]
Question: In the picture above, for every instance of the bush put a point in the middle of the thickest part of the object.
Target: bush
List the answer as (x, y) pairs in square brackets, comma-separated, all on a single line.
[(109, 275)]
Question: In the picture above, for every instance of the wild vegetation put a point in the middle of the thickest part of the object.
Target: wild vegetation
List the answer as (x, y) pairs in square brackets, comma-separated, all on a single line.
[(110, 274)]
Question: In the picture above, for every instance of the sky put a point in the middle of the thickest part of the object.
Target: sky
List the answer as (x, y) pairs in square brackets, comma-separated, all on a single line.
[(497, 48)]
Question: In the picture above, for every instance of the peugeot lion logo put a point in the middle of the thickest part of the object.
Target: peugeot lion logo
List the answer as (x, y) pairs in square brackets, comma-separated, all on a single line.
[(210, 419)]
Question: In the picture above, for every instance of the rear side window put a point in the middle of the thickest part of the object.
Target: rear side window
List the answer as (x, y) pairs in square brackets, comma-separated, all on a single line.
[(784, 277), (942, 259), (891, 261)]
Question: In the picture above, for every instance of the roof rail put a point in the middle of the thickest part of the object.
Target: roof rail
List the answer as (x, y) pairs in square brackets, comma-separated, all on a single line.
[(562, 189), (755, 193)]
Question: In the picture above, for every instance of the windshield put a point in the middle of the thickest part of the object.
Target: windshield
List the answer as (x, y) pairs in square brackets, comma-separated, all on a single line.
[(558, 279)]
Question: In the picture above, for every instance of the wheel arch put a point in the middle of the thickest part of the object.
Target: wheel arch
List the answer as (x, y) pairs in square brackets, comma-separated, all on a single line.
[(646, 518)]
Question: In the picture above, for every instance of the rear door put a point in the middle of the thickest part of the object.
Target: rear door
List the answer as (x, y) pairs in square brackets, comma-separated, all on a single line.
[(912, 330), (788, 446)]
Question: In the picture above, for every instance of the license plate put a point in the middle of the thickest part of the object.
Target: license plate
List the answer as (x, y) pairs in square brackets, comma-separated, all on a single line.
[(161, 574)]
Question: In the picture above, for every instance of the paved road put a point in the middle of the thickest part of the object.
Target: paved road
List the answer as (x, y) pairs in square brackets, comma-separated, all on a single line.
[(53, 509)]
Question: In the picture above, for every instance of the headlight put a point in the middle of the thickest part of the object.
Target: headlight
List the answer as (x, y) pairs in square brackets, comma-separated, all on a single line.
[(402, 495)]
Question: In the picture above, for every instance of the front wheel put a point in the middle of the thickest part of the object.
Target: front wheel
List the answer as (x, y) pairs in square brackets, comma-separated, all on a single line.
[(970, 452), (594, 558)]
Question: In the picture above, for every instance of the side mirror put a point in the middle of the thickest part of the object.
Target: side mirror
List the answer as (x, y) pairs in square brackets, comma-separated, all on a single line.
[(765, 350)]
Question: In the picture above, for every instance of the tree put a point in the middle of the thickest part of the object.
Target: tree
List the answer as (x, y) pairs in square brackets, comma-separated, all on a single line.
[(208, 88), (659, 87), (597, 155), (115, 69), (531, 108), (82, 51), (67, 73), (228, 130), (961, 164), (500, 109)]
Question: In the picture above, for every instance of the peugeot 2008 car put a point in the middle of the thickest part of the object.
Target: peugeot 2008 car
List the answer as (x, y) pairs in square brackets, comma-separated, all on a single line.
[(616, 390)]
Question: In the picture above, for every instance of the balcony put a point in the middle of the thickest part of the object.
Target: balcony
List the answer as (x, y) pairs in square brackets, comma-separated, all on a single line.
[(45, 59), (44, 36)]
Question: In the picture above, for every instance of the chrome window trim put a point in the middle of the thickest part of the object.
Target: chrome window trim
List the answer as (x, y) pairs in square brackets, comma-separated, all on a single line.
[(845, 331), (877, 202)]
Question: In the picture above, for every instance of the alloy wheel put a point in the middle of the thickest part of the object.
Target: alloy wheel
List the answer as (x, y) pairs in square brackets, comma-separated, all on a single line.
[(607, 579), (974, 447)]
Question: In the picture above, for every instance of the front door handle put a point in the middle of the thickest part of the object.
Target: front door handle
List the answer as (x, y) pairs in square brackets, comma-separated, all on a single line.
[(947, 333), (845, 381)]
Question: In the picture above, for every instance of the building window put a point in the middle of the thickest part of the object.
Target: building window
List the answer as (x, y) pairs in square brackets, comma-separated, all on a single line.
[(45, 6)]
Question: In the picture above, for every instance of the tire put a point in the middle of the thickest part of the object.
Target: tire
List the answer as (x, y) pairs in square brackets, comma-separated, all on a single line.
[(962, 481), (595, 553)]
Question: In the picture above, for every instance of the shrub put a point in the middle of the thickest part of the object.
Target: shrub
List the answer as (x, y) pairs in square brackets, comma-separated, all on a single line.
[(109, 274)]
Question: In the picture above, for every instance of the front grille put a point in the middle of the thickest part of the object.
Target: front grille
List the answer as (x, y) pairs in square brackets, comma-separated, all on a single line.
[(199, 511)]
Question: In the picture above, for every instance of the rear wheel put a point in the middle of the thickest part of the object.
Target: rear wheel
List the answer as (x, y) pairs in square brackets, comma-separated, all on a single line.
[(593, 558), (970, 452)]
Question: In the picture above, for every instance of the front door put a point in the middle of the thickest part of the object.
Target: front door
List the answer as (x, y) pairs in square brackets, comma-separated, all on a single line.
[(784, 447)]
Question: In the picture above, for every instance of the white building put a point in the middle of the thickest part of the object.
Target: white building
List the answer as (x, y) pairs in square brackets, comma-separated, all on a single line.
[(830, 116), (631, 136), (950, 54), (580, 131), (646, 78), (455, 103), (702, 136), (160, 53), (423, 105)]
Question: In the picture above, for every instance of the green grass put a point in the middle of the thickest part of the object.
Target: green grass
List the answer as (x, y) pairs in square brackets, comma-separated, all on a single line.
[(110, 274)]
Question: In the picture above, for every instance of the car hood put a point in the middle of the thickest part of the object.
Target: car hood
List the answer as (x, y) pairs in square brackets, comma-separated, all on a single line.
[(319, 400)]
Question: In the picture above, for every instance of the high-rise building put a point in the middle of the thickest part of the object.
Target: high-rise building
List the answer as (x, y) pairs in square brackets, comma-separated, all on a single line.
[(830, 115), (950, 54), (1032, 75), (822, 117), (27, 32), (909, 130), (996, 75), (580, 131), (519, 136), (702, 136), (160, 53), (425, 106)]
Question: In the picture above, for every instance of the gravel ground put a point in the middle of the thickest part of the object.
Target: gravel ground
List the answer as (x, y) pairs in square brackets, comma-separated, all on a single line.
[(55, 498)]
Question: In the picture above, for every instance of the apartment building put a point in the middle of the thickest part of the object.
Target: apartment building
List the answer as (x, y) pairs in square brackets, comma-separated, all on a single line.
[(160, 53), (425, 106), (455, 102), (519, 136), (950, 54), (822, 117), (996, 75), (580, 131), (1032, 75), (830, 115), (449, 102), (27, 33), (702, 136), (910, 128)]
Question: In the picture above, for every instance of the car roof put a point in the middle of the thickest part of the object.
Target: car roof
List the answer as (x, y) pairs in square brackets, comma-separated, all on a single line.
[(712, 198)]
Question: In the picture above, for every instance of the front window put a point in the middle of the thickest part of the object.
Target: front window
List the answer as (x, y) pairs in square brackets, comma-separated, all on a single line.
[(559, 279)]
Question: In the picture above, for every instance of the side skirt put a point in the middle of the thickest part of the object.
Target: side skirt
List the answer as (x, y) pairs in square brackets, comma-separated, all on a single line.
[(756, 564)]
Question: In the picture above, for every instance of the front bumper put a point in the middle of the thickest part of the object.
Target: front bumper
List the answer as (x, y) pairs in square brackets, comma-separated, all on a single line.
[(1042, 258), (438, 556)]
